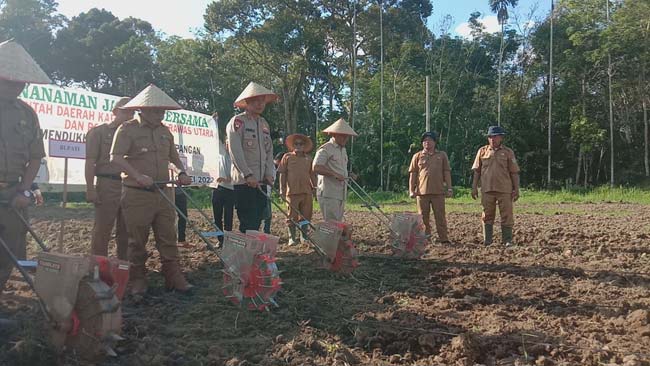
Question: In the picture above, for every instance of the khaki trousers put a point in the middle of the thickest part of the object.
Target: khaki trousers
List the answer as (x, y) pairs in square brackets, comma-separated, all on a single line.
[(437, 203), (303, 203), (144, 211), (490, 200), (108, 213), (13, 232), (331, 208)]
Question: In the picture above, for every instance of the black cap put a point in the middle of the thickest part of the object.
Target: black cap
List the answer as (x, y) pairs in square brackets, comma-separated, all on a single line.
[(496, 131), (432, 135)]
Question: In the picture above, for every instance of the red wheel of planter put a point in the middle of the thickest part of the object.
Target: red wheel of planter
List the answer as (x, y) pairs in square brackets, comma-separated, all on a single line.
[(257, 288)]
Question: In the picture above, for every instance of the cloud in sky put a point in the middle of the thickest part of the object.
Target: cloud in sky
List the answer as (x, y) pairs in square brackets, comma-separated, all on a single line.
[(172, 17), (490, 23)]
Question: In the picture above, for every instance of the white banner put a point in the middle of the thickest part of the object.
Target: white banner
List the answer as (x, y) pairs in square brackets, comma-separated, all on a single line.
[(67, 115)]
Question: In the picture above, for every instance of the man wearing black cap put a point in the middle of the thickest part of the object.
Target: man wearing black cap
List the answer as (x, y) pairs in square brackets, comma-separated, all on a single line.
[(430, 182), (496, 168)]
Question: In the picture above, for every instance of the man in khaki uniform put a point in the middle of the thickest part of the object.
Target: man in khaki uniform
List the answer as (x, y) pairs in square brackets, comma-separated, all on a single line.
[(251, 151), (297, 181), (430, 183), (331, 165), (106, 195), (496, 168), (143, 148), (21, 149)]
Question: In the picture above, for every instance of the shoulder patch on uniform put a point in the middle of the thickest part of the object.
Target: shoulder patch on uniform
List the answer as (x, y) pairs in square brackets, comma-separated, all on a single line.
[(237, 123)]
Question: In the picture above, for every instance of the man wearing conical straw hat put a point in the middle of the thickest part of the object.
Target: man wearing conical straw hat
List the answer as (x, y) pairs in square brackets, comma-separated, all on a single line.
[(331, 165), (106, 194), (251, 150), (297, 181), (21, 148), (143, 148)]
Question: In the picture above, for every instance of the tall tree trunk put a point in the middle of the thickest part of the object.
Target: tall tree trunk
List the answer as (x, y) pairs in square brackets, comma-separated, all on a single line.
[(646, 159), (583, 91), (587, 158), (579, 165), (499, 77), (287, 108), (550, 102), (644, 103), (388, 177), (611, 113), (353, 73), (600, 162), (287, 103), (463, 162)]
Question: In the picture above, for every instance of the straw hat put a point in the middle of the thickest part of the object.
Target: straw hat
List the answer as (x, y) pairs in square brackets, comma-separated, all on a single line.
[(152, 97), (309, 145), (18, 66), (340, 127), (255, 90)]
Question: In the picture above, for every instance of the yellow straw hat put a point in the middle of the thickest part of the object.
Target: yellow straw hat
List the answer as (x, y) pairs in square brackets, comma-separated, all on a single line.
[(152, 97), (255, 90), (309, 145), (340, 127), (18, 66)]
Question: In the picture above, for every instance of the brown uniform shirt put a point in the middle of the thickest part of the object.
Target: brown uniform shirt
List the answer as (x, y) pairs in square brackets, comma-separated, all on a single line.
[(431, 169), (335, 157), (147, 148), (98, 147), (20, 139), (299, 172), (495, 167), (251, 148)]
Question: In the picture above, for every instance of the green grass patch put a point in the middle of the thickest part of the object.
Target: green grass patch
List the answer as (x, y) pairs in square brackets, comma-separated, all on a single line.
[(577, 195), (460, 202)]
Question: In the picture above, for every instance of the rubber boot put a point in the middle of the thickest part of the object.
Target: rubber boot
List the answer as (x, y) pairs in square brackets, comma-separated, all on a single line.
[(174, 279), (138, 279), (292, 235), (488, 230), (506, 236), (305, 229)]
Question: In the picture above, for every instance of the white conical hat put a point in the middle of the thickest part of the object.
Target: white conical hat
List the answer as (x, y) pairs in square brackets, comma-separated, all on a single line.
[(255, 90), (17, 65), (152, 97), (340, 127)]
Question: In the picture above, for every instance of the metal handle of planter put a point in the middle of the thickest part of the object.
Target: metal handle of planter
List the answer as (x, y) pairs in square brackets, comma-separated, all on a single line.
[(370, 203), (297, 224)]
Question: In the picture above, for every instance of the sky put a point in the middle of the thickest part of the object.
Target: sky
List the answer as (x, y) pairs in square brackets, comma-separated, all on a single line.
[(184, 17)]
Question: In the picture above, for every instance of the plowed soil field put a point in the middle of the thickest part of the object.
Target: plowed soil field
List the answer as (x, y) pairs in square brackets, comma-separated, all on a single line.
[(574, 291)]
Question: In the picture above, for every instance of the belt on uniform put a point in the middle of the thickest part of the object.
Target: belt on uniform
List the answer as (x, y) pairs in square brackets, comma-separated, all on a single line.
[(148, 189), (109, 176)]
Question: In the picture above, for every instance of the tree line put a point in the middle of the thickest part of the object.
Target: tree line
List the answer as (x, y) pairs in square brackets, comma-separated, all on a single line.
[(367, 61)]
